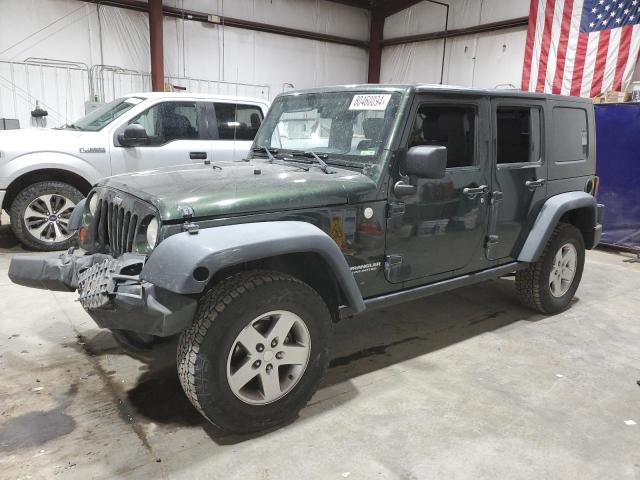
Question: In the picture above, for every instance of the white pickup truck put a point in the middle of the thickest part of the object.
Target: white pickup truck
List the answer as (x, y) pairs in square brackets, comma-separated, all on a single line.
[(45, 172)]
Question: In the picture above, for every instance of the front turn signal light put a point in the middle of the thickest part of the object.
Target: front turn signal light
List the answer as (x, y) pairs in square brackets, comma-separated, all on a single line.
[(83, 233)]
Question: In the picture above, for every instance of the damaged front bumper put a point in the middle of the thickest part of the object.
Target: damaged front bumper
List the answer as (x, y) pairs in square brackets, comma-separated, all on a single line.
[(110, 290)]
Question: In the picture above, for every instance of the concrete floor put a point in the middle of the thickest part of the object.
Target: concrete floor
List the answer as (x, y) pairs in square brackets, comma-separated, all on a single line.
[(461, 385)]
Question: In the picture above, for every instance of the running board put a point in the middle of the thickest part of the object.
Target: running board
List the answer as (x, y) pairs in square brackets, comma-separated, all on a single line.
[(438, 287)]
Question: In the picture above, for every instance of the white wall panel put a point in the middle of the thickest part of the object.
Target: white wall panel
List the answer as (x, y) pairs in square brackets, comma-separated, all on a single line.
[(68, 36), (482, 60), (427, 17), (73, 31), (312, 15), (499, 58), (412, 63)]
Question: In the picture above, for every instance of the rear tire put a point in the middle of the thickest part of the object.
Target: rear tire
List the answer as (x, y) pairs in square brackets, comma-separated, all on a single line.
[(549, 284), (40, 213), (236, 365)]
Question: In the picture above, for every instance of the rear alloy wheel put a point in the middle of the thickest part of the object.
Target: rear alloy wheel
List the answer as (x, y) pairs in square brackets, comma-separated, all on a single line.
[(564, 270), (40, 215), (549, 284), (256, 351)]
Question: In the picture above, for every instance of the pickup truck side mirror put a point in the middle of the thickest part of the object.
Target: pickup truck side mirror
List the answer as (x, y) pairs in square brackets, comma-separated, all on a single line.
[(426, 161), (133, 136)]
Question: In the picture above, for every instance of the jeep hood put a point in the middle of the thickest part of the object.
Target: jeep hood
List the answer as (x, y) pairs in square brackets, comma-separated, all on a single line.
[(234, 188)]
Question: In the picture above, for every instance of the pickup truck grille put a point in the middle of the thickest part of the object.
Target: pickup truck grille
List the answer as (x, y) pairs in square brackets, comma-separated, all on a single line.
[(117, 221)]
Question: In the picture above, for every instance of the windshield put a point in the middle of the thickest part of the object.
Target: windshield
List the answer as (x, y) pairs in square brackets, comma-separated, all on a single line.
[(104, 115), (349, 128)]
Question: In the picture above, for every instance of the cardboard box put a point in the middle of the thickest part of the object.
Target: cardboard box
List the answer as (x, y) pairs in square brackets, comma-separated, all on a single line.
[(616, 97)]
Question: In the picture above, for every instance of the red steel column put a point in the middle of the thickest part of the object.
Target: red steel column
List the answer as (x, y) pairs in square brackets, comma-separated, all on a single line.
[(156, 44), (375, 43)]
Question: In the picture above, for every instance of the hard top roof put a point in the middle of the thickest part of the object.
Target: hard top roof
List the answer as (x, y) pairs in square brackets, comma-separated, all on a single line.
[(434, 88)]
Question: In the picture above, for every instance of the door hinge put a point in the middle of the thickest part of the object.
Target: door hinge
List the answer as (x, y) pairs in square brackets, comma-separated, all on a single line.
[(395, 209), (393, 267), (491, 242), (496, 196)]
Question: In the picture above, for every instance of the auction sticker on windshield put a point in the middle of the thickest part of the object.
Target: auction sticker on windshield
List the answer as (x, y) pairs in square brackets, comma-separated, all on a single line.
[(370, 102)]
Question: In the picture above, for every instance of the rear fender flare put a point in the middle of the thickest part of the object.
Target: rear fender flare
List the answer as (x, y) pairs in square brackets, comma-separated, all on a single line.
[(552, 210), (172, 264)]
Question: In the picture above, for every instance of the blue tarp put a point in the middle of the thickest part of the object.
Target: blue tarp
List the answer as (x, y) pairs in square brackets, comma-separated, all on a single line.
[(618, 166)]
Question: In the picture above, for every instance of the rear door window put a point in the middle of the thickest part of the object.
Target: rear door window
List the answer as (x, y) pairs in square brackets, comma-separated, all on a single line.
[(237, 121), (518, 134)]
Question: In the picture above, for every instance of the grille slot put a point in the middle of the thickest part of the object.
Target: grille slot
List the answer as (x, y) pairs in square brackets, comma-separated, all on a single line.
[(115, 227)]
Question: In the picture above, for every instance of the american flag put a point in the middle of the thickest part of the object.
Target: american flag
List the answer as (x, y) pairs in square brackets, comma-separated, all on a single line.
[(581, 47)]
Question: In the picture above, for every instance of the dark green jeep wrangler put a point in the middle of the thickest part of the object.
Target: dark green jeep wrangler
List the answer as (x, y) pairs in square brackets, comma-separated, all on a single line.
[(353, 198)]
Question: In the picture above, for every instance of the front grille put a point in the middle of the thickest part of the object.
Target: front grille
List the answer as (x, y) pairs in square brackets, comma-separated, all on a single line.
[(116, 227), (117, 221)]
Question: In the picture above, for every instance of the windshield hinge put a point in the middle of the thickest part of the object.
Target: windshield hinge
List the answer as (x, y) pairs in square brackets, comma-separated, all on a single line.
[(188, 225)]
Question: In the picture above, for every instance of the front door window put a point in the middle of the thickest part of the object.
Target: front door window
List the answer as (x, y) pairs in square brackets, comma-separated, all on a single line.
[(169, 121)]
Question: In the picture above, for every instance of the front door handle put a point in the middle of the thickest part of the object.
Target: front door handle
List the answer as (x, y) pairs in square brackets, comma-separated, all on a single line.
[(472, 192), (198, 155), (533, 184)]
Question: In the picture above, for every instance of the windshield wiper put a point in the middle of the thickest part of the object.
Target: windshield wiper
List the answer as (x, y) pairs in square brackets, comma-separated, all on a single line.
[(268, 150), (270, 153), (318, 159)]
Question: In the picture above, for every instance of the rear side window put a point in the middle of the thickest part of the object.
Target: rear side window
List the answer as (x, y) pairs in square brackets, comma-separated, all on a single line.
[(237, 121), (451, 126), (517, 134), (570, 135)]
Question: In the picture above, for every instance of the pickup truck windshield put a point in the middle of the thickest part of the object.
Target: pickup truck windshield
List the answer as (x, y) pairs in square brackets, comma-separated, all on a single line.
[(104, 115), (346, 128)]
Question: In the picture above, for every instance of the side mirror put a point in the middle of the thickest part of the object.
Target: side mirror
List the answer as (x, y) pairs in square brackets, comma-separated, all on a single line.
[(426, 161), (133, 136)]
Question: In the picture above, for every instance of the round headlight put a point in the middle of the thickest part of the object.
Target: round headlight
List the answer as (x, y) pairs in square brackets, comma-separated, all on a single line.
[(93, 204), (152, 232)]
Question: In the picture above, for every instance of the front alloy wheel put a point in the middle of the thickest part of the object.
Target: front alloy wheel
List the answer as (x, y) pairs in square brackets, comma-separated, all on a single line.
[(47, 218), (40, 215), (256, 350), (268, 357)]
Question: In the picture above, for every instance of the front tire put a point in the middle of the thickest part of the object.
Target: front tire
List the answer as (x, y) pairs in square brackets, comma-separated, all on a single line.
[(256, 351), (40, 215), (549, 284)]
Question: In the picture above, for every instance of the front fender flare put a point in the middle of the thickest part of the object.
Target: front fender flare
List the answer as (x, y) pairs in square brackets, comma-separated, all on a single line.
[(171, 265), (548, 218)]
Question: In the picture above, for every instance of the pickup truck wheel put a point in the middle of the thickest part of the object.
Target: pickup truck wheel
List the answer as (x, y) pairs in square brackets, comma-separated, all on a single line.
[(549, 284), (40, 215), (256, 351)]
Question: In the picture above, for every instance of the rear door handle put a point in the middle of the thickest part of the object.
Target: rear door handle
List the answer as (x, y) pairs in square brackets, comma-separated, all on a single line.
[(532, 184), (472, 192), (198, 155)]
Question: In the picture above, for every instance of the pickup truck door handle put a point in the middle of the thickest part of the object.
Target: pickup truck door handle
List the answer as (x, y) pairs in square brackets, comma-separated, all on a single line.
[(533, 184), (198, 155), (471, 192)]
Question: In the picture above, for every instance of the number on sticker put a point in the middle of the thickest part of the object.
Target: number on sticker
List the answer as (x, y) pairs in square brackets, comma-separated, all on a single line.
[(370, 102)]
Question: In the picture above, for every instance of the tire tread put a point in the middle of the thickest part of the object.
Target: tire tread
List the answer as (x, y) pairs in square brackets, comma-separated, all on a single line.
[(213, 303)]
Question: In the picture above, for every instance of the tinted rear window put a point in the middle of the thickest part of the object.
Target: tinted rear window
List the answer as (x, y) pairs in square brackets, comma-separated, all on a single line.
[(570, 135)]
